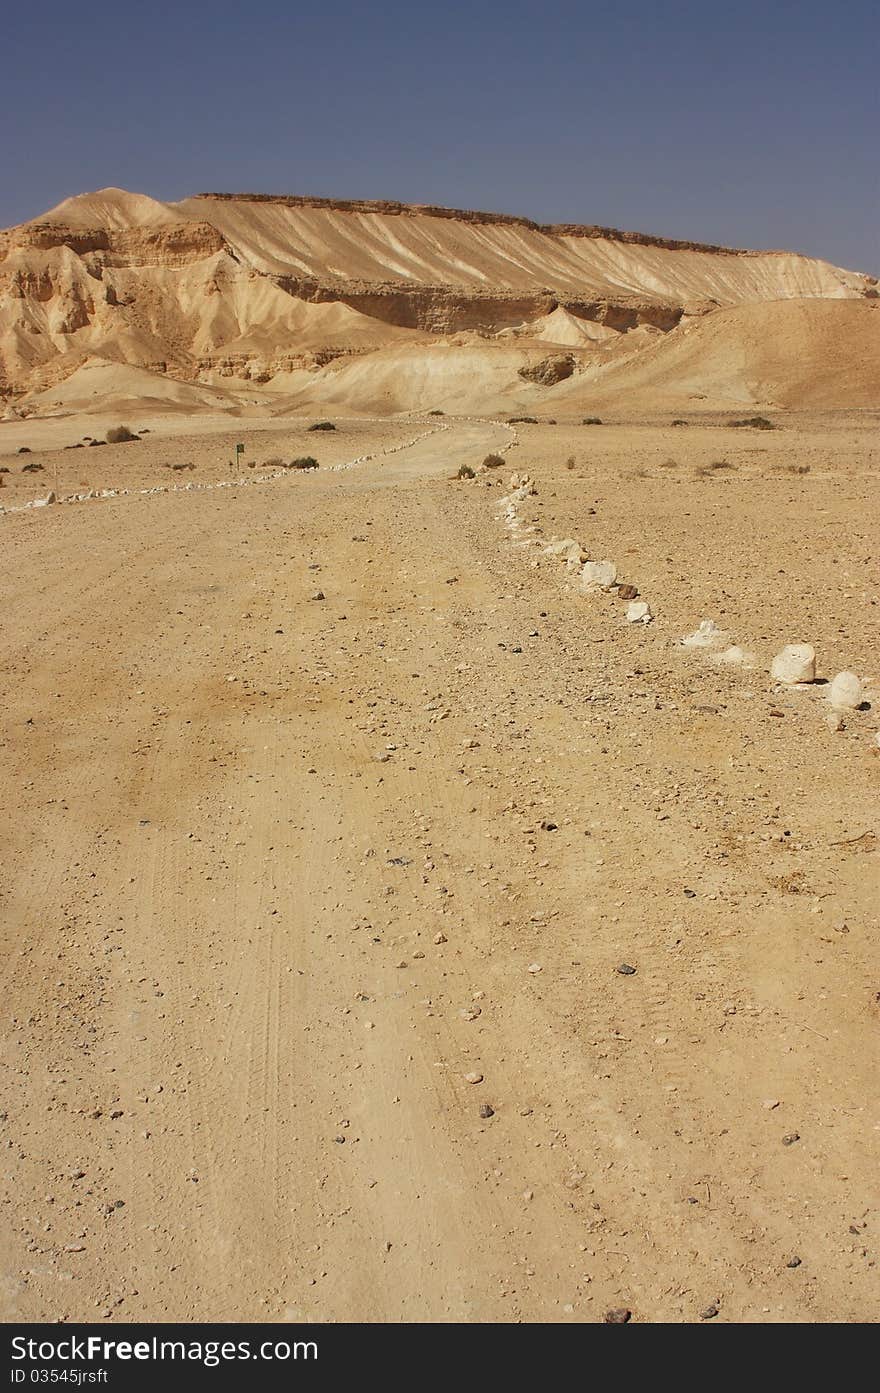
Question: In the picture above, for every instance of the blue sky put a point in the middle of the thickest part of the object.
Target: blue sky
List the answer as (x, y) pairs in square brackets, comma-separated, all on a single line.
[(748, 124)]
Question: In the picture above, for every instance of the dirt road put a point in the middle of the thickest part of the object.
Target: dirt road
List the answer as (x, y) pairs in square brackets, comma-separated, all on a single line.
[(282, 874)]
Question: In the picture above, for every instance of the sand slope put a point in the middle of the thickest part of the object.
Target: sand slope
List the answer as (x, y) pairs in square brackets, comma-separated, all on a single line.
[(799, 353)]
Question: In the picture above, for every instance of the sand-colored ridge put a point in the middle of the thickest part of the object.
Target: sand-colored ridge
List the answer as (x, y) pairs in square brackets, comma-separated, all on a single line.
[(257, 289)]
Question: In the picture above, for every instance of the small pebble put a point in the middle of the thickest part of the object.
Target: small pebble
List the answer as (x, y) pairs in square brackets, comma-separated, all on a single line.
[(626, 970), (790, 1138), (473, 1077), (618, 1316), (487, 1111)]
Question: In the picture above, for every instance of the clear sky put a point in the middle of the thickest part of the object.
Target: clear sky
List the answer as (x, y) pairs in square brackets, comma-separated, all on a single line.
[(752, 124)]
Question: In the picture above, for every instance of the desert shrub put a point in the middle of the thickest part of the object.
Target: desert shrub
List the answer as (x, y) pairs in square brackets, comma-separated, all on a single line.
[(322, 425), (592, 421), (93, 443), (550, 421), (3, 469), (707, 471), (793, 468), (569, 463), (118, 435), (304, 462), (465, 472), (276, 462), (522, 420), (78, 446), (679, 422), (186, 464), (33, 468), (436, 412), (24, 449), (493, 461), (754, 423), (669, 464)]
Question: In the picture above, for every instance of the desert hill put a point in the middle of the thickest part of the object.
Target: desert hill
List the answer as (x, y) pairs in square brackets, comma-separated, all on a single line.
[(410, 306), (793, 353)]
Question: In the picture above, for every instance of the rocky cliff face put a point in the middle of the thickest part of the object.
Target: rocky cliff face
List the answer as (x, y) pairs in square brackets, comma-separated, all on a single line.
[(250, 286)]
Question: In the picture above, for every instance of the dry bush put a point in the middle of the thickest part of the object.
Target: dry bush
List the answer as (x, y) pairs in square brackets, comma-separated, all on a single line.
[(465, 472), (592, 421), (493, 461), (753, 423), (118, 435), (569, 463), (323, 425)]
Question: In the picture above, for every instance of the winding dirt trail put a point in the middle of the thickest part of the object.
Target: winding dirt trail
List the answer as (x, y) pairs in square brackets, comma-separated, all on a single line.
[(280, 873)]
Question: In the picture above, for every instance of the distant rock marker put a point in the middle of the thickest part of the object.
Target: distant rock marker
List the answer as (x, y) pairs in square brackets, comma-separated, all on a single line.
[(794, 664)]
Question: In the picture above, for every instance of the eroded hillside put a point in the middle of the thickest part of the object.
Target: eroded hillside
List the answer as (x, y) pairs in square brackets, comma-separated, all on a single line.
[(238, 291)]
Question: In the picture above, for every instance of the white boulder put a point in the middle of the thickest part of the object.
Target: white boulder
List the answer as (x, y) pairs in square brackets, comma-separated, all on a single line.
[(794, 664), (598, 575), (638, 612), (845, 692)]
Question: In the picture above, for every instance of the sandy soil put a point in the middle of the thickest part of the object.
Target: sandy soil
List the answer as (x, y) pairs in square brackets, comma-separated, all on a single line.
[(281, 874)]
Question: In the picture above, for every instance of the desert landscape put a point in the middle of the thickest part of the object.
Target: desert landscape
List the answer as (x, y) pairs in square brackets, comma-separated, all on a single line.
[(438, 885)]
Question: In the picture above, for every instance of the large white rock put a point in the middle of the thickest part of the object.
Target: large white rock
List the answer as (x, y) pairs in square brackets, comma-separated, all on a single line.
[(845, 691), (795, 663), (638, 612), (598, 575), (705, 636)]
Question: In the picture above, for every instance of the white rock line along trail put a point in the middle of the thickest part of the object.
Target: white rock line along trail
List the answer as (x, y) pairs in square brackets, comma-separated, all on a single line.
[(92, 495), (792, 669)]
